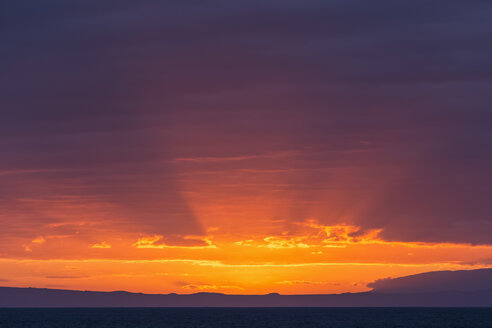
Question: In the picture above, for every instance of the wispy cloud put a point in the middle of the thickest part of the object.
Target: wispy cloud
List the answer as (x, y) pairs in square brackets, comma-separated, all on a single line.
[(157, 242), (101, 245)]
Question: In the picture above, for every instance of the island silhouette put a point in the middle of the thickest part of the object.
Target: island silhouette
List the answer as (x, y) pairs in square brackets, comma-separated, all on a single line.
[(465, 288)]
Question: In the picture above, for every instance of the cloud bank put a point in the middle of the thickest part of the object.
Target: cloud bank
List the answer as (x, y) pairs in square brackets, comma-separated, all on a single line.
[(161, 118)]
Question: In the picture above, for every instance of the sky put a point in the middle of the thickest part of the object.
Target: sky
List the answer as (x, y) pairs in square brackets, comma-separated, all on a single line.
[(243, 147)]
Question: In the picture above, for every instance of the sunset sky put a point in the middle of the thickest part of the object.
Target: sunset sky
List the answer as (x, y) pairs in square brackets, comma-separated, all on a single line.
[(243, 147)]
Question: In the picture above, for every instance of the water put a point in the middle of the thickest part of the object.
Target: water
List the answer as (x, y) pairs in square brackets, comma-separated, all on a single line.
[(246, 317)]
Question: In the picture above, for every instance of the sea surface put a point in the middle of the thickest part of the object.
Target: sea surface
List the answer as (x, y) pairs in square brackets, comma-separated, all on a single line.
[(246, 317)]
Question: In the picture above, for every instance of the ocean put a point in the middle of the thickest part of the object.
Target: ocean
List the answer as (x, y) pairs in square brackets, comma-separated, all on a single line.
[(245, 317)]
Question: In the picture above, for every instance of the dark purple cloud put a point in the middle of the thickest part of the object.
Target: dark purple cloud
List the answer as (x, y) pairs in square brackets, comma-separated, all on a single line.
[(97, 98)]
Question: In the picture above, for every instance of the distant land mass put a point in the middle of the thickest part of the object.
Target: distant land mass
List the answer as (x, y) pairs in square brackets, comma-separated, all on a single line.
[(467, 288), (437, 281)]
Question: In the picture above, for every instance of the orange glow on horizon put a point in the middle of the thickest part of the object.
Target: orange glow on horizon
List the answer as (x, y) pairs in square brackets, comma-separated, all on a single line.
[(312, 258), (262, 237)]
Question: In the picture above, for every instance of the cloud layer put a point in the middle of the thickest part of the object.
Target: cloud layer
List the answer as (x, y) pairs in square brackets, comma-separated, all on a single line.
[(150, 118)]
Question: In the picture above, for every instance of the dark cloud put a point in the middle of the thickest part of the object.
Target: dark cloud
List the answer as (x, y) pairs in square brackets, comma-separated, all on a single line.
[(66, 277), (98, 98)]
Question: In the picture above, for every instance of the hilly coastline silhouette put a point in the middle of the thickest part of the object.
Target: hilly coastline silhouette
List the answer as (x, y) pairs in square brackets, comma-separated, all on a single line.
[(465, 288)]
